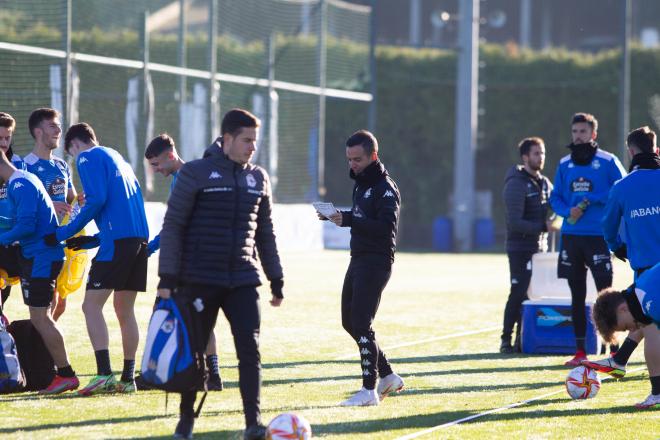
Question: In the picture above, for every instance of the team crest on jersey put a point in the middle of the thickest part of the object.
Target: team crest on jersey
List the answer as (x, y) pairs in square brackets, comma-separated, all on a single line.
[(595, 164), (367, 193), (251, 181), (581, 185), (41, 169), (82, 160), (58, 187)]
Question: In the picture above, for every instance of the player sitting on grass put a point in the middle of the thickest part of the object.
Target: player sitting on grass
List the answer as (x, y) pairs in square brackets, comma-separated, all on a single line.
[(638, 307)]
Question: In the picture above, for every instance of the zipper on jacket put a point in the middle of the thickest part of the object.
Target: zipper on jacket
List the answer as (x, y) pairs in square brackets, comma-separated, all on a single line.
[(232, 249)]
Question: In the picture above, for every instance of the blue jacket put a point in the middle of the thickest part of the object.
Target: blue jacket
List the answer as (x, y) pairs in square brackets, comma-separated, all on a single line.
[(113, 199), (635, 200), (35, 217), (647, 290), (573, 183), (7, 214)]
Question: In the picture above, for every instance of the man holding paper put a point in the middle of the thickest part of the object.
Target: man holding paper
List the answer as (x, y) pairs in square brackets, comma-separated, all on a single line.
[(373, 222)]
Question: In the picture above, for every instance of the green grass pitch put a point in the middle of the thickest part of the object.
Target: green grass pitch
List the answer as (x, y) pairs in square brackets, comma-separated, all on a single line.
[(310, 365)]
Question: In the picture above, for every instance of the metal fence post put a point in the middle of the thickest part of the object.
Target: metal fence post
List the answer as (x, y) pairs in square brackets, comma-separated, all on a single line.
[(322, 51), (214, 99), (372, 67), (624, 84), (67, 66), (182, 48)]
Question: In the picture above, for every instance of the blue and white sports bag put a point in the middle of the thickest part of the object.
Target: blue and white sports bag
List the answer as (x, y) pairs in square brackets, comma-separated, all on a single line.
[(11, 376), (171, 360)]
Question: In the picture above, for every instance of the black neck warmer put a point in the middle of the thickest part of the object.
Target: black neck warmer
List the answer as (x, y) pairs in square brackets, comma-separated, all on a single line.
[(371, 174), (583, 154), (645, 161)]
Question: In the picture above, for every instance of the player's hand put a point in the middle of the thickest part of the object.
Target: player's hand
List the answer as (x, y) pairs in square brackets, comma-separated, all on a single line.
[(51, 240), (336, 218), (321, 217), (62, 208), (275, 301), (164, 293), (576, 213), (81, 199), (622, 253), (83, 242), (151, 248)]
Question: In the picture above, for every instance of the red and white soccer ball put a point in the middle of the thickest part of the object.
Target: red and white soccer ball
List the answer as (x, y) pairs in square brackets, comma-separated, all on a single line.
[(582, 383), (289, 426)]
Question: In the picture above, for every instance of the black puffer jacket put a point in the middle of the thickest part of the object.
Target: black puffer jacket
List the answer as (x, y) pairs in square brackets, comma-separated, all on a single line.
[(526, 203), (218, 216), (374, 218)]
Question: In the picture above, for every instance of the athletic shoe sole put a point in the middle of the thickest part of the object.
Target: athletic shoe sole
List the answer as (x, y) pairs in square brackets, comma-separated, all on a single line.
[(389, 391), (614, 372)]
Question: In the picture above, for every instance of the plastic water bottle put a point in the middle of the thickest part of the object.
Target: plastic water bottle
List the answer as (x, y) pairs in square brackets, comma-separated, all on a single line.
[(583, 206)]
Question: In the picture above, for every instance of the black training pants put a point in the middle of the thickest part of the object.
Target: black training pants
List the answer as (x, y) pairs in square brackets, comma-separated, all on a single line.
[(364, 283), (520, 269), (241, 308)]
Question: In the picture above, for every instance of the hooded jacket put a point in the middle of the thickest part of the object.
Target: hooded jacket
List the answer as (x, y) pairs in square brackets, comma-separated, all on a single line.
[(218, 217), (526, 206), (374, 218)]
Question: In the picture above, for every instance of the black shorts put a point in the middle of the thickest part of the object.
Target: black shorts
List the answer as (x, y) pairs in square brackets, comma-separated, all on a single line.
[(38, 291), (577, 252), (9, 260), (126, 271)]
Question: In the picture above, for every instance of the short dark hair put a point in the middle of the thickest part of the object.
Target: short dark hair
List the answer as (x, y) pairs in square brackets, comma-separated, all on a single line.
[(366, 139), (526, 145), (236, 119), (7, 121), (604, 312), (40, 115), (643, 138), (82, 131), (158, 145), (587, 118)]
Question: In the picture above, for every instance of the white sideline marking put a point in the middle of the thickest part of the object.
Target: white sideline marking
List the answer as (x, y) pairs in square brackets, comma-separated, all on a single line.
[(492, 411), (424, 341)]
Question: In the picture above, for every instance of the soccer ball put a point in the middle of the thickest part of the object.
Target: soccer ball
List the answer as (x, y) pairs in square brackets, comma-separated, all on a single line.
[(289, 426), (582, 383)]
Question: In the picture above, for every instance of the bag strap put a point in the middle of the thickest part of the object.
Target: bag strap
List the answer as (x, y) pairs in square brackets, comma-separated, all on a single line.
[(201, 403)]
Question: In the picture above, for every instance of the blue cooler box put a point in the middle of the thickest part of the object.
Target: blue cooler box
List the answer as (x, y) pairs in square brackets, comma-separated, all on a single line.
[(547, 327)]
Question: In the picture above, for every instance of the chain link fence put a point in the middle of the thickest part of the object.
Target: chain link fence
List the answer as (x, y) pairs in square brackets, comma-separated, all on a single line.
[(134, 69)]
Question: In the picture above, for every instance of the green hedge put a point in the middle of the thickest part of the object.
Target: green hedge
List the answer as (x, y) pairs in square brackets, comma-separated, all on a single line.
[(526, 93)]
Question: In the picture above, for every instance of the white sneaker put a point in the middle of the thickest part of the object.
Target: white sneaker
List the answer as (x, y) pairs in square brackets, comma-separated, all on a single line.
[(651, 402), (364, 397), (389, 384)]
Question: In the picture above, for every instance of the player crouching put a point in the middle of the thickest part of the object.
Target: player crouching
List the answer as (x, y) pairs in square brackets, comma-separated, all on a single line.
[(637, 307)]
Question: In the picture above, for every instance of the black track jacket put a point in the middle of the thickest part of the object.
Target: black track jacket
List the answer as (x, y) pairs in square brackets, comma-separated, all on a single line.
[(218, 216), (374, 218), (526, 203)]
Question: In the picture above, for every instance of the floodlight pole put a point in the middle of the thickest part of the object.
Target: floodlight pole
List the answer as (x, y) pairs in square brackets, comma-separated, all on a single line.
[(624, 83), (465, 133)]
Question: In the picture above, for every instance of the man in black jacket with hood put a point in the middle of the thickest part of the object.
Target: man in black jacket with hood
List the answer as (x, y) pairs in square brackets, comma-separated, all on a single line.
[(218, 216), (373, 221), (526, 193)]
